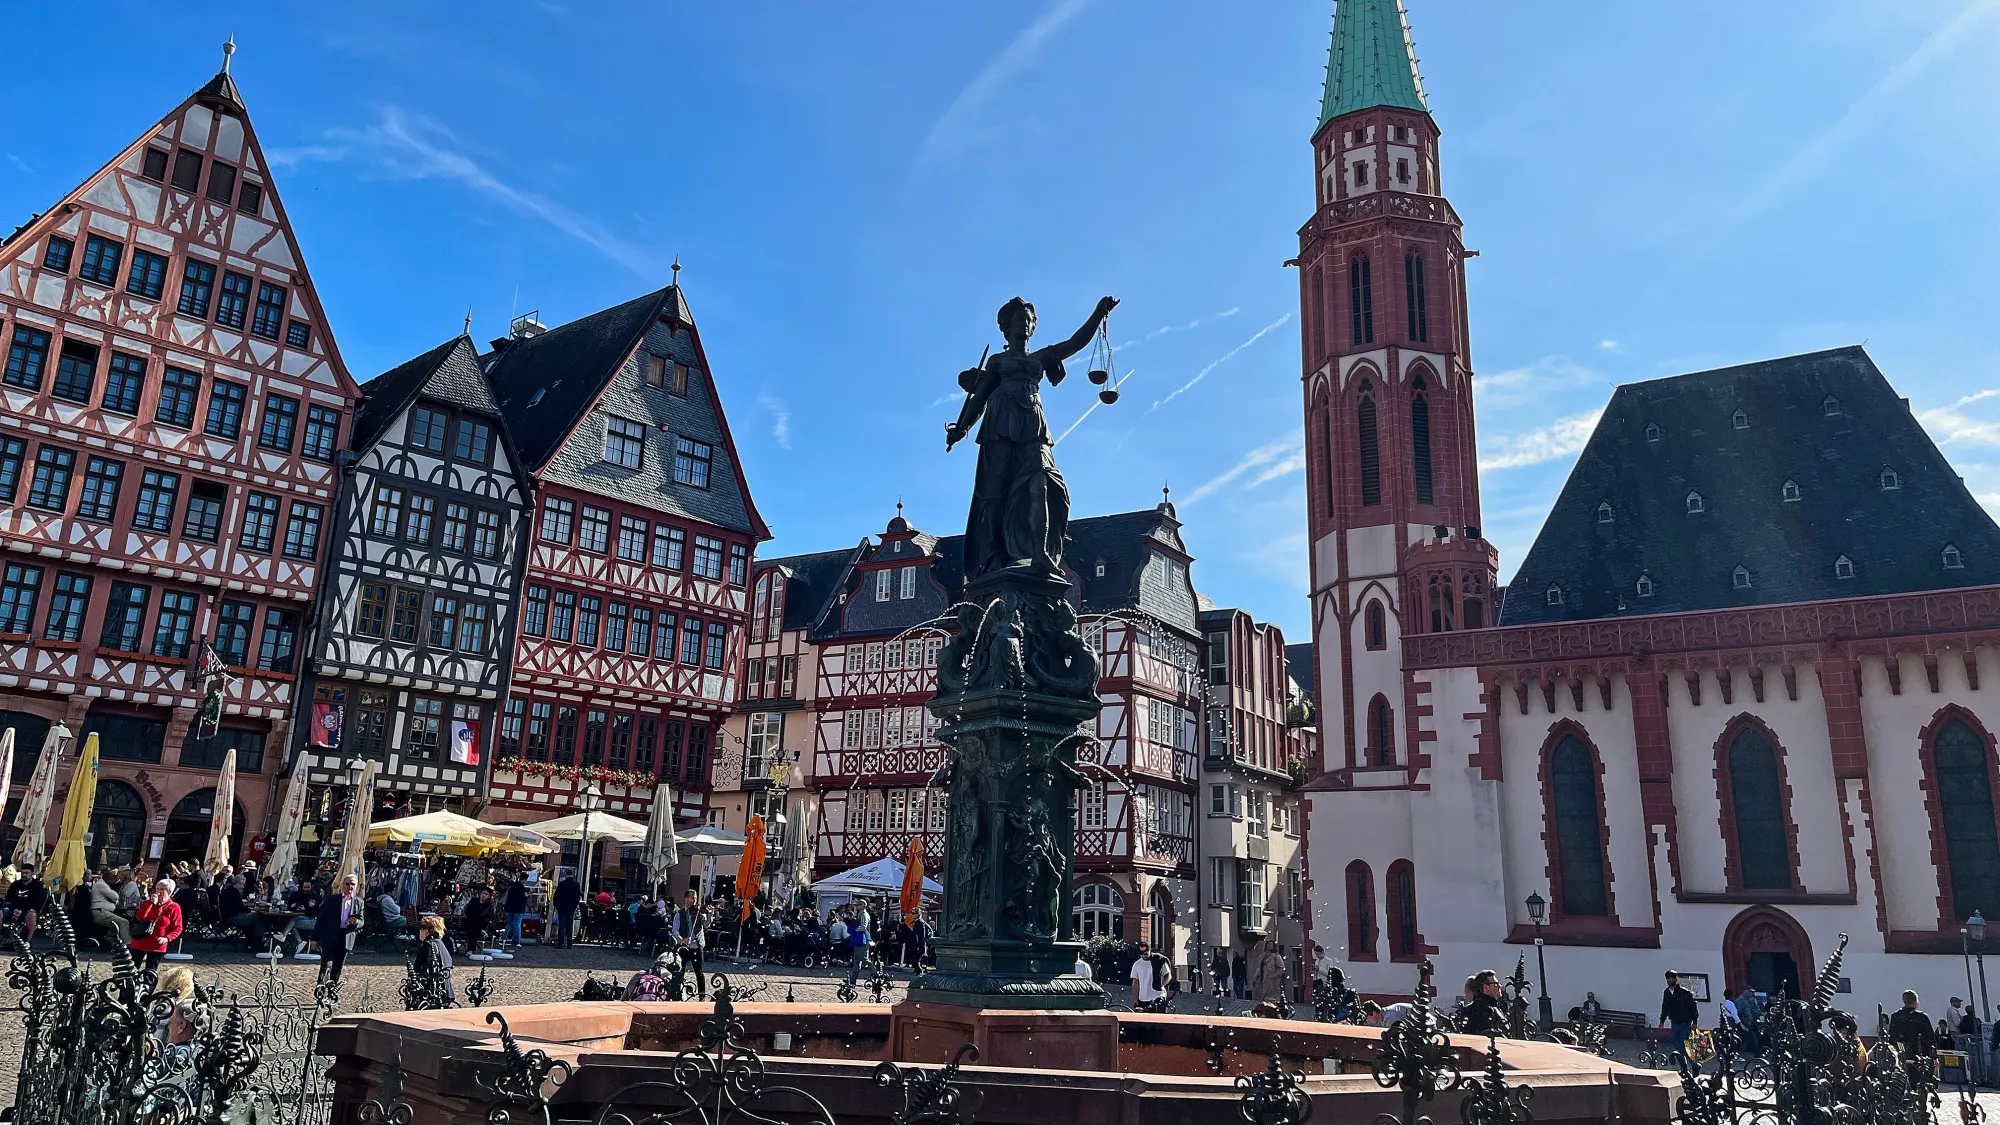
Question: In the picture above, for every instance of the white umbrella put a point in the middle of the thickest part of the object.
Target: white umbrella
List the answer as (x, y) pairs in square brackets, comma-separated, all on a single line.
[(661, 851), (6, 767), (711, 841), (359, 816), (603, 826), (291, 817), (39, 798), (223, 820)]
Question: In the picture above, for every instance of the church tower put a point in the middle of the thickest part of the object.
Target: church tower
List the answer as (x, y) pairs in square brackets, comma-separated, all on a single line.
[(1392, 476)]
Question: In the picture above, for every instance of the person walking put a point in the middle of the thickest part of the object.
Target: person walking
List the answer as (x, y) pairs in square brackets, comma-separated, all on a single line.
[(1145, 978), (156, 925), (857, 943), (569, 892), (1678, 1011), (340, 918), (686, 933), (434, 956), (1239, 975), (1911, 1030), (1218, 968), (517, 909), (1750, 1013)]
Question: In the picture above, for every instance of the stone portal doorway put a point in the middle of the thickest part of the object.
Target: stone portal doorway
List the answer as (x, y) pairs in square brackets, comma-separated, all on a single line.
[(1766, 949)]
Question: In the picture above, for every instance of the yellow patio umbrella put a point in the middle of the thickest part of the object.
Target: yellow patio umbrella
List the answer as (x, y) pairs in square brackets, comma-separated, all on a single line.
[(913, 880), (455, 834), (750, 866), (67, 865)]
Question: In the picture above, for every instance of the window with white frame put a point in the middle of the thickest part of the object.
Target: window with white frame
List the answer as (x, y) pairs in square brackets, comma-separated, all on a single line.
[(914, 732), (1100, 912), (938, 805), (1218, 800), (932, 647), (850, 730), (892, 656), (1221, 882), (1258, 825), (1250, 890), (761, 743), (877, 806), (883, 580), (875, 656), (624, 442), (1091, 805), (897, 801), (892, 728), (872, 739), (907, 585)]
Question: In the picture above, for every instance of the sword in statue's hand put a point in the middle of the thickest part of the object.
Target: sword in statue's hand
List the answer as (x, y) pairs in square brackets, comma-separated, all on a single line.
[(968, 381)]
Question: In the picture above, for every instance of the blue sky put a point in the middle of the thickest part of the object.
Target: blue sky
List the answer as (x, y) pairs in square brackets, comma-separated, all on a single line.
[(854, 189)]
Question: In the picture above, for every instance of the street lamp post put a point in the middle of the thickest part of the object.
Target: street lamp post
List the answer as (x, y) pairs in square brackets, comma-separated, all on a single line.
[(593, 799), (1537, 909), (1975, 927)]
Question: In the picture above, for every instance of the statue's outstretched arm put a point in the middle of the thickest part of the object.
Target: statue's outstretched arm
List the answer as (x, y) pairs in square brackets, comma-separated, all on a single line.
[(1081, 339)]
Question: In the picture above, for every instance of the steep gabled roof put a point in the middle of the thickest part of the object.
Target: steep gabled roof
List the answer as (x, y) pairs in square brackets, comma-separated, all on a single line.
[(546, 383), (1674, 487), (812, 585), (450, 370), (1372, 61), (1301, 662)]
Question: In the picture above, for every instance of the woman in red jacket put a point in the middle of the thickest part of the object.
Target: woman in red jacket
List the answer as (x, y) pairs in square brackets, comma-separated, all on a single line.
[(156, 925)]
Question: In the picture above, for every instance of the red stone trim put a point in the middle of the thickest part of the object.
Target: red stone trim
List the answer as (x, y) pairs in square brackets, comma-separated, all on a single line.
[(1560, 729), (1948, 915), (1726, 796), (1874, 860), (1575, 932), (1736, 945), (1486, 745), (1940, 620), (1417, 931), (1360, 869)]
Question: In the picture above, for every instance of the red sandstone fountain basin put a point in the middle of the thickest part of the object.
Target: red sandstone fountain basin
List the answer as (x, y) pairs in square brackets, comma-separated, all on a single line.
[(1093, 1068)]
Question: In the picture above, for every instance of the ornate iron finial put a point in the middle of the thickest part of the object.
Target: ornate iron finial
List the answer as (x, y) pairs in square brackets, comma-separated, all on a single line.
[(521, 1078), (1492, 1101), (1416, 1055), (677, 269), (228, 49), (1273, 1096), (479, 989), (931, 1095), (468, 320)]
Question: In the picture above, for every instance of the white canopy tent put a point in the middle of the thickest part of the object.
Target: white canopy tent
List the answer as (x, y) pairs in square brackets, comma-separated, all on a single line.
[(707, 840), (882, 877), (603, 826)]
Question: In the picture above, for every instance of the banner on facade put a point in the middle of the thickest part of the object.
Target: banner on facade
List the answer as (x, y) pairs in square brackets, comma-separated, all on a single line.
[(326, 726), (465, 743)]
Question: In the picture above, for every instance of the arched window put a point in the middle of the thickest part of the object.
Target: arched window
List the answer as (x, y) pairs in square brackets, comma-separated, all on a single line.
[(1756, 798), (1441, 599), (1100, 912), (1402, 902), (1375, 625), (1324, 423), (1322, 321), (1381, 748), (1371, 454), (1420, 444), (1160, 920), (1360, 299), (1413, 296), (1475, 601), (1964, 794), (1695, 504), (1360, 912), (1578, 810)]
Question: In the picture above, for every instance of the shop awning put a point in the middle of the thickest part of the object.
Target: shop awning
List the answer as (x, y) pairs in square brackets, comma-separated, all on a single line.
[(451, 832)]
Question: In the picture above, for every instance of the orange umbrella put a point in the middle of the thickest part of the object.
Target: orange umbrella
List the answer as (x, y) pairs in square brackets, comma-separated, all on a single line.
[(750, 868), (913, 880)]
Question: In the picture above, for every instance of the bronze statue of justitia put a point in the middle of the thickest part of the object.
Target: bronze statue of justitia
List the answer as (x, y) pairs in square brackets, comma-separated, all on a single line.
[(1020, 506)]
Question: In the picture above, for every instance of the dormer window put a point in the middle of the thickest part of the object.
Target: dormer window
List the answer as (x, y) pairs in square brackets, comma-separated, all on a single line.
[(1694, 503), (1653, 432), (1740, 420), (1604, 512), (1555, 595), (1098, 569), (1843, 567), (1830, 406), (1952, 559), (1889, 480), (1740, 577), (1644, 586), (1790, 492)]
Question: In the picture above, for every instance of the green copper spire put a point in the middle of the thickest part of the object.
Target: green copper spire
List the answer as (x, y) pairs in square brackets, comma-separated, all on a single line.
[(1372, 61)]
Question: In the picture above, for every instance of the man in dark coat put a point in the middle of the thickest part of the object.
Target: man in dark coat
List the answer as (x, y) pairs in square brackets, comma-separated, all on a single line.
[(569, 892), (340, 918), (1911, 1030), (517, 909), (1679, 1011)]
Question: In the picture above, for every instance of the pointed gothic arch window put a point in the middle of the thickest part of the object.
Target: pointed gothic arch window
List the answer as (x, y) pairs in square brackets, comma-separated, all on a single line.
[(1402, 901), (1604, 512), (1413, 296), (1441, 601), (1843, 567), (1323, 428), (1375, 625), (1890, 480), (1475, 601), (1790, 494), (1952, 559), (1381, 732), (1577, 807), (1555, 595), (1361, 299), (1695, 504), (1644, 586), (1360, 912), (1740, 420), (1755, 793), (1740, 577), (1371, 454), (1962, 789), (1420, 445)]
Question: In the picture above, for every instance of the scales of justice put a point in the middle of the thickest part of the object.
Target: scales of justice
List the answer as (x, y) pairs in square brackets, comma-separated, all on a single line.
[(1016, 695)]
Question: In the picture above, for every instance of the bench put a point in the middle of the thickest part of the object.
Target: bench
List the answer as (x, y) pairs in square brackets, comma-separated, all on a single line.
[(1626, 1025)]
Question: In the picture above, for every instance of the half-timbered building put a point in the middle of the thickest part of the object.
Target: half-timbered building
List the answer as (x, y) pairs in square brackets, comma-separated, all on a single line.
[(635, 592), (415, 631), (170, 413)]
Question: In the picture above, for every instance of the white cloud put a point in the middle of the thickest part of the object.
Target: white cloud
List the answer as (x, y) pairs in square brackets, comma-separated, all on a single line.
[(1607, 345), (1265, 457), (1532, 383), (1284, 557), (295, 155), (949, 133), (781, 419), (19, 163), (412, 146), (1561, 438), (952, 399), (1948, 424), (1226, 357)]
